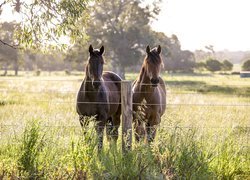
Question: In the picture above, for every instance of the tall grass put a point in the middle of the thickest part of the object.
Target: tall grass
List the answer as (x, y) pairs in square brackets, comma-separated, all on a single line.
[(177, 153), (32, 143), (193, 142)]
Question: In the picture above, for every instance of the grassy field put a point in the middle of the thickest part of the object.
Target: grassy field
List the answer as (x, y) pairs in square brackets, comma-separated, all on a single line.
[(204, 133)]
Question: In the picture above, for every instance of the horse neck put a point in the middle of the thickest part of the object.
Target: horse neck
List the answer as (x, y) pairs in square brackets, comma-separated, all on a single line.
[(143, 79), (88, 84), (88, 87)]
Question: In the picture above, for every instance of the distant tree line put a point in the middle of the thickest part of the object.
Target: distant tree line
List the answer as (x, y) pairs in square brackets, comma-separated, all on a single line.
[(214, 65)]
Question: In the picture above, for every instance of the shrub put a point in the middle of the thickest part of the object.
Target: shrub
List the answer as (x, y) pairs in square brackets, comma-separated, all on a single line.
[(31, 147), (67, 72), (246, 65), (213, 65), (38, 72), (227, 66)]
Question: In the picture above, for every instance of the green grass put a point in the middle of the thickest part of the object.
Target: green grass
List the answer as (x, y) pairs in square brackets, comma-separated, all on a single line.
[(204, 133)]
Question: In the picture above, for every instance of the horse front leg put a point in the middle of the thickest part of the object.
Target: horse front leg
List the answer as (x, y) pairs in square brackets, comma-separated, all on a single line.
[(151, 132), (99, 127), (151, 127), (112, 128), (139, 131)]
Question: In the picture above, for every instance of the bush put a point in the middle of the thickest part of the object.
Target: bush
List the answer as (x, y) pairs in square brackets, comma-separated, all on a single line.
[(67, 72), (235, 73), (38, 72), (31, 148), (227, 66), (213, 65), (246, 65)]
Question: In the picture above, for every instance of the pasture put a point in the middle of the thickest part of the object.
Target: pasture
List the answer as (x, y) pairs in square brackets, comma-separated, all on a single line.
[(204, 133)]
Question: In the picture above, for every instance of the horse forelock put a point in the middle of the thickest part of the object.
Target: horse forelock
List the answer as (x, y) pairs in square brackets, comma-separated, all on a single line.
[(153, 60), (154, 57)]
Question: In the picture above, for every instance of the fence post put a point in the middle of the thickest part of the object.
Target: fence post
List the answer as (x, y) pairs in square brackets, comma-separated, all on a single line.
[(127, 116)]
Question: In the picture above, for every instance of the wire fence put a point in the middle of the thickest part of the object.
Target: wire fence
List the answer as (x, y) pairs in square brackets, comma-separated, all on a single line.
[(65, 92)]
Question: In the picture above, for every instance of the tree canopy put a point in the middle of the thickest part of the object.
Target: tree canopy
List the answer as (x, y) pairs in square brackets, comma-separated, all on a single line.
[(48, 23), (227, 65), (246, 65), (8, 54), (213, 65)]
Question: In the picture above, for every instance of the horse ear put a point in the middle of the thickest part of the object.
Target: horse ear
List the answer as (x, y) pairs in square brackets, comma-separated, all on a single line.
[(148, 49), (102, 50), (159, 49), (91, 49)]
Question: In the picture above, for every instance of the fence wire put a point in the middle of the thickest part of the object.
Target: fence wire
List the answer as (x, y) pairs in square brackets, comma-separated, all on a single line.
[(4, 126)]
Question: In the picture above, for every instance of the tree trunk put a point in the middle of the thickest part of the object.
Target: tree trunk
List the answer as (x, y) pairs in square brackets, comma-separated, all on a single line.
[(122, 72), (5, 69), (16, 67)]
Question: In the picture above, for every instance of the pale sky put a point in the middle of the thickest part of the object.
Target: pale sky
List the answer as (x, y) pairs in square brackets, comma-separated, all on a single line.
[(225, 24)]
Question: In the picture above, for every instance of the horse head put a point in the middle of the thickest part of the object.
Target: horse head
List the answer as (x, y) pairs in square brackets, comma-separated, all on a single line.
[(152, 64), (94, 68)]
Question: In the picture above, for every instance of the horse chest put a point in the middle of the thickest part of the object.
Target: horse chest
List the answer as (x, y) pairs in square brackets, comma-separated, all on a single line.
[(89, 105), (152, 101)]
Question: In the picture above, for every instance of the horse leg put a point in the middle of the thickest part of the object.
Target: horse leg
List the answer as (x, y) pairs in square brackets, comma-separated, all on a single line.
[(109, 125), (116, 123), (139, 131), (151, 128), (151, 132), (99, 130)]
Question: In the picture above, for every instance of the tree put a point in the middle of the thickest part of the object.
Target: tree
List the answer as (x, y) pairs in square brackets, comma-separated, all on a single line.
[(45, 23), (9, 55), (213, 65), (200, 66), (177, 59), (124, 28), (227, 65), (246, 65)]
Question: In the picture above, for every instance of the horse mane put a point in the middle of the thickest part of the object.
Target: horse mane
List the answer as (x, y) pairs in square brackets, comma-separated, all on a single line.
[(142, 72), (154, 57)]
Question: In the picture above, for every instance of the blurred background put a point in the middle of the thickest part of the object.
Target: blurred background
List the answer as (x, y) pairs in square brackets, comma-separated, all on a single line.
[(37, 36)]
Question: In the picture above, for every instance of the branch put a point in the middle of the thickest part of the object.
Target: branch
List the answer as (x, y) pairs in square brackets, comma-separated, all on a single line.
[(3, 3), (7, 44)]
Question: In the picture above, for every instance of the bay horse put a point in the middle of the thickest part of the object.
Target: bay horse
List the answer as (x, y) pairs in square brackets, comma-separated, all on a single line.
[(149, 88), (99, 95)]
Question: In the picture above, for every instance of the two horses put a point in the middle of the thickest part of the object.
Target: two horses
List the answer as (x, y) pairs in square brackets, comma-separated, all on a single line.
[(99, 95)]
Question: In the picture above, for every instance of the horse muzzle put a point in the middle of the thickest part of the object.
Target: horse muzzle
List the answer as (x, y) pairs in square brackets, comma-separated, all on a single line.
[(155, 82), (96, 84)]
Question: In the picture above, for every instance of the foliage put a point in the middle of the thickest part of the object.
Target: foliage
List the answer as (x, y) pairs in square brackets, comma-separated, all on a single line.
[(46, 23), (246, 65), (227, 65), (125, 35), (200, 66), (31, 148), (213, 65), (8, 55), (178, 60), (123, 27)]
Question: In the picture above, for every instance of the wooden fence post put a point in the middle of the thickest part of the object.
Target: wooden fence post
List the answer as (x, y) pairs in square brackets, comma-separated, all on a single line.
[(127, 114)]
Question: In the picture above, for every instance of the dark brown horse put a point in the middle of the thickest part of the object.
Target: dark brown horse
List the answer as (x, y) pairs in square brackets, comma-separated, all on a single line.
[(100, 96), (149, 88)]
